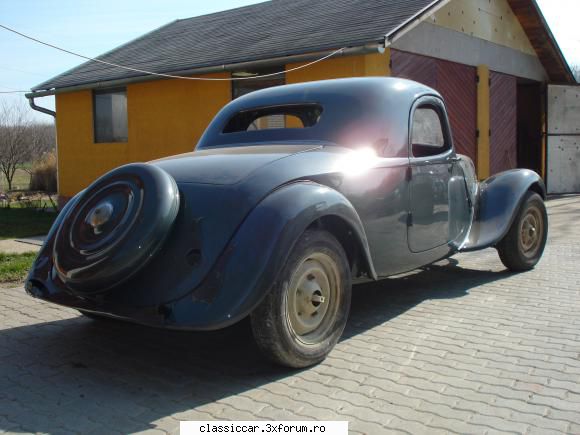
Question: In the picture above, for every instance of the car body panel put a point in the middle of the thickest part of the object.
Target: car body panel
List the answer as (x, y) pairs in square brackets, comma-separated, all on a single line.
[(499, 201), (260, 249), (225, 166)]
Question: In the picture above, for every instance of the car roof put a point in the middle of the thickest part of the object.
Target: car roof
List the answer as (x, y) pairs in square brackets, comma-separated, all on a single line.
[(354, 110), (389, 90)]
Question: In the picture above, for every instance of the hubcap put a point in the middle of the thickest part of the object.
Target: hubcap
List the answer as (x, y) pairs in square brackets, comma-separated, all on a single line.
[(100, 215), (531, 231), (313, 297)]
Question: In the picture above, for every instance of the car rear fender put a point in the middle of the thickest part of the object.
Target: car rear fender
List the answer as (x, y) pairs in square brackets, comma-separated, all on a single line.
[(250, 264), (498, 202)]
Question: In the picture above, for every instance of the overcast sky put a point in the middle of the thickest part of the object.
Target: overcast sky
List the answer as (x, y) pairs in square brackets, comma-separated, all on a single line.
[(94, 27)]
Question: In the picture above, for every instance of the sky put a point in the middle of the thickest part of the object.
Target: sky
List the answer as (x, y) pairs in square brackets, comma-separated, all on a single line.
[(93, 27)]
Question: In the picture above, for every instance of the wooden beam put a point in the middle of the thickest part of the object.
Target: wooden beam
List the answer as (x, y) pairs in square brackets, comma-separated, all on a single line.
[(483, 122)]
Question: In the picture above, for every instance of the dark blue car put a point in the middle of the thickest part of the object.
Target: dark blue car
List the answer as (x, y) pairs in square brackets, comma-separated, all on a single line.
[(293, 193)]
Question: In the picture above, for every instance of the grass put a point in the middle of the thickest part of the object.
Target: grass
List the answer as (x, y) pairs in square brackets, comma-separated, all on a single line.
[(16, 223), (14, 267)]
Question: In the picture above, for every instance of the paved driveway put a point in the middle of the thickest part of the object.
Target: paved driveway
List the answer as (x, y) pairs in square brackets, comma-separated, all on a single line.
[(462, 347)]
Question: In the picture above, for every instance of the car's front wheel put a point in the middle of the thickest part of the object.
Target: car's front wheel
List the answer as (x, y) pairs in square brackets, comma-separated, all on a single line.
[(303, 316), (523, 245)]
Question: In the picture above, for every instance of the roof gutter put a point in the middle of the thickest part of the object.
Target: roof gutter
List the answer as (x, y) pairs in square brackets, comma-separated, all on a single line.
[(414, 20), (350, 51)]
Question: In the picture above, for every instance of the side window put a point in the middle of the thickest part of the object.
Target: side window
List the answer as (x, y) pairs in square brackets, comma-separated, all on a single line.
[(276, 121), (427, 136), (110, 115)]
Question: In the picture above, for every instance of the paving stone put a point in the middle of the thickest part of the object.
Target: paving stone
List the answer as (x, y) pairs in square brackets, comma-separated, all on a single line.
[(460, 347)]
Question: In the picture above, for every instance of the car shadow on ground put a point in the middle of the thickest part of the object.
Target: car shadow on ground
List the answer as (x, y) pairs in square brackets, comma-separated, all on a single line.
[(127, 376)]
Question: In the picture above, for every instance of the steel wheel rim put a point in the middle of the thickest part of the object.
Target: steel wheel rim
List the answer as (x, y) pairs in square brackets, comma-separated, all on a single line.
[(313, 298), (531, 232)]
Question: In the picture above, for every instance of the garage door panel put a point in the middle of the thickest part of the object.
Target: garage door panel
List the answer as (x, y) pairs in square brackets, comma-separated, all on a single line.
[(414, 67), (563, 153), (503, 122), (563, 109), (564, 168), (457, 85)]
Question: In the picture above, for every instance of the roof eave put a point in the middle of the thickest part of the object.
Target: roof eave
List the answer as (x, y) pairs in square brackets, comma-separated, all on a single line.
[(538, 32), (371, 47)]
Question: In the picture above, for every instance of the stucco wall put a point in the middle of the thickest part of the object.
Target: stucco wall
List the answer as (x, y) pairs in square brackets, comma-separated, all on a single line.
[(376, 64), (165, 117)]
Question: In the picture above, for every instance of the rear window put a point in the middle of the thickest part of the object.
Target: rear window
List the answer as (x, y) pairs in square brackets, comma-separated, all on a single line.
[(275, 117)]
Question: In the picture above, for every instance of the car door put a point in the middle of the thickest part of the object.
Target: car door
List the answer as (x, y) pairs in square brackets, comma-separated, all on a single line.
[(430, 170)]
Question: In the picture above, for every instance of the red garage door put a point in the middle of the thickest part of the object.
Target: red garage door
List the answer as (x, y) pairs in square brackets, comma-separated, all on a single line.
[(503, 122), (456, 83)]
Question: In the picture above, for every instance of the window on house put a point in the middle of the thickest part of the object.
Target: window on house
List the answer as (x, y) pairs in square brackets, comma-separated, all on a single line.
[(110, 115), (252, 80), (427, 133)]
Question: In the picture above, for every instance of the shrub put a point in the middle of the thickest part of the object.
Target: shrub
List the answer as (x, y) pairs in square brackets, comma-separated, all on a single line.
[(43, 175)]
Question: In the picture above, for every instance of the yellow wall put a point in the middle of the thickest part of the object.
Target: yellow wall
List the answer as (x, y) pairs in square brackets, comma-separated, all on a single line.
[(491, 20), (165, 117), (375, 64)]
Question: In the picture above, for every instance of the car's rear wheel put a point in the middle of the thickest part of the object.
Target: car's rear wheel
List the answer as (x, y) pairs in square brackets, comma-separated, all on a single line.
[(523, 245), (303, 316)]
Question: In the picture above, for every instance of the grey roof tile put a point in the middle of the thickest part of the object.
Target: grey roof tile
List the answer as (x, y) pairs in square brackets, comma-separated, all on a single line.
[(261, 31)]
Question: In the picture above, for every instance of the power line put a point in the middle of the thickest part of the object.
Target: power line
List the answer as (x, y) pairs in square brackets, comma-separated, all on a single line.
[(168, 75), (11, 90), (9, 68)]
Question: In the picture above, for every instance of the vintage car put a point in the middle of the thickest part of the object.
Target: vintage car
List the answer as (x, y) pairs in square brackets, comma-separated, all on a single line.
[(292, 194)]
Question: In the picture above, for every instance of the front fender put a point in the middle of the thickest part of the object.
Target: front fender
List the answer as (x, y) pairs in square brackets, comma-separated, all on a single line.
[(498, 203), (250, 264)]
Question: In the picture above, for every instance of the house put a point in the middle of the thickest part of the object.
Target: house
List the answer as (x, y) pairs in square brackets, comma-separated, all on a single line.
[(490, 59)]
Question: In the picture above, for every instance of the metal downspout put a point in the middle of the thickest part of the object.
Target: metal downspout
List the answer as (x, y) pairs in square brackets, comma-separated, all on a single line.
[(38, 108)]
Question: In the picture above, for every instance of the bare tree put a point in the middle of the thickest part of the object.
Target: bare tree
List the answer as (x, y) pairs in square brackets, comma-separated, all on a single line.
[(40, 140), (22, 141), (14, 127)]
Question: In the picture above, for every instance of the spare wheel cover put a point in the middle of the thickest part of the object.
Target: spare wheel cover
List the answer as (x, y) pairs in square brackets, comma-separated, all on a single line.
[(115, 228)]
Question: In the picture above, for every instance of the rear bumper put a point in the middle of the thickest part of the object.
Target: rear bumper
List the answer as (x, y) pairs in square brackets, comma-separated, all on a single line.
[(198, 309), (148, 316), (185, 314)]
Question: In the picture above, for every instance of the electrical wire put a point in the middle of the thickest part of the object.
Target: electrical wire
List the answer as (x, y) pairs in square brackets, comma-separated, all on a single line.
[(10, 90), (8, 68), (169, 75)]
